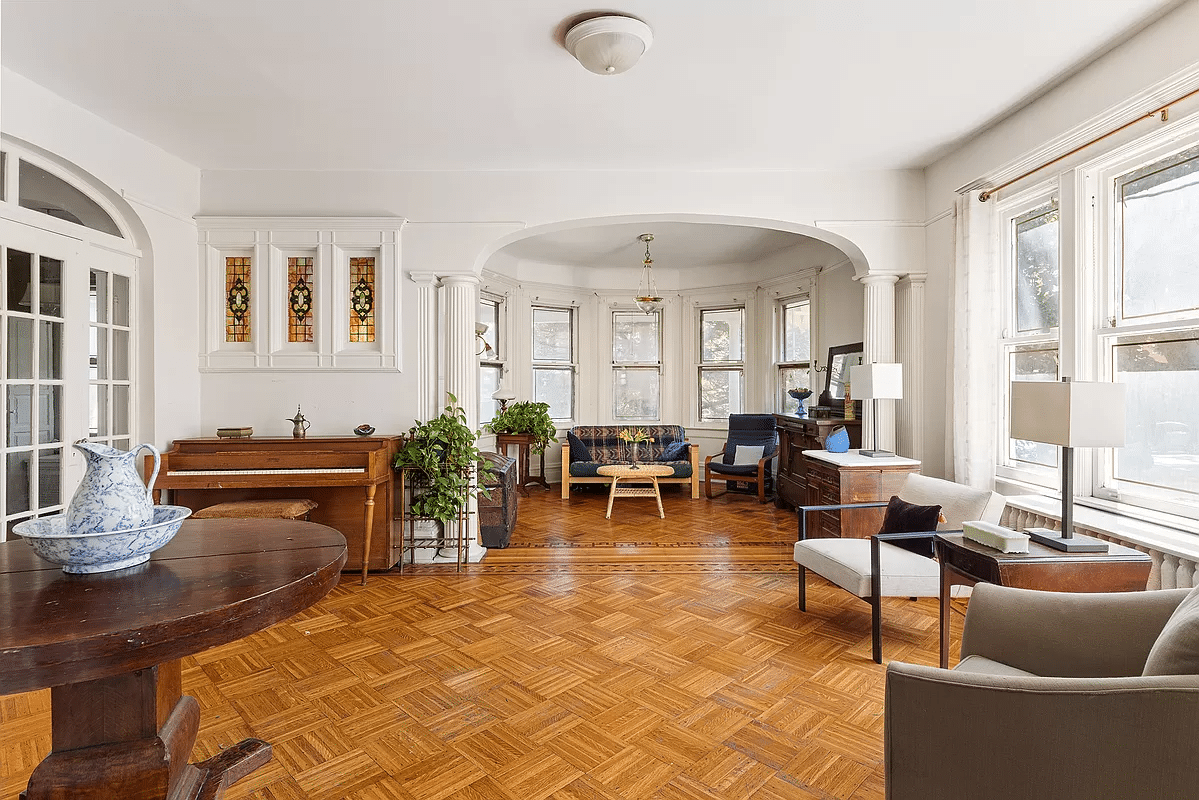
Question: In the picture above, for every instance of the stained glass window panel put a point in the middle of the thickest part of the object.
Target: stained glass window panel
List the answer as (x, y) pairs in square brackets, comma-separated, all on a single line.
[(362, 299), (237, 298), (299, 299)]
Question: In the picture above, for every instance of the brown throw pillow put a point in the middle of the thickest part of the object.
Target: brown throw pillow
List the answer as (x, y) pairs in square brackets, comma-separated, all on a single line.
[(1176, 651), (904, 517)]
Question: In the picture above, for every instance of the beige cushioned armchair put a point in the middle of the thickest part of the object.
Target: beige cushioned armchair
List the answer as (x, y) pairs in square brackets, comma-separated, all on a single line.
[(1049, 701)]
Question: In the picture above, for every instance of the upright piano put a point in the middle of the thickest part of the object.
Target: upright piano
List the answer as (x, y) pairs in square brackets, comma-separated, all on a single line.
[(349, 477)]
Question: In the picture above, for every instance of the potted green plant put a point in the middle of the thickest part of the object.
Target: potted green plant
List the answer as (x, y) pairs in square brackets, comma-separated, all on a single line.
[(443, 452), (529, 418)]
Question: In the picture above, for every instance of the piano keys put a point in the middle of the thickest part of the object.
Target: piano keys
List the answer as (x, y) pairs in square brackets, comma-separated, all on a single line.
[(349, 477)]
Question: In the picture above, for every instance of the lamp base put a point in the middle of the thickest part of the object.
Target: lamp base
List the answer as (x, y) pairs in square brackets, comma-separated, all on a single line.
[(877, 453), (1074, 544)]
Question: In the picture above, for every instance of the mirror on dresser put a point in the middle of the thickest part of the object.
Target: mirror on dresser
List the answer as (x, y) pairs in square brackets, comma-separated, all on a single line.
[(836, 372)]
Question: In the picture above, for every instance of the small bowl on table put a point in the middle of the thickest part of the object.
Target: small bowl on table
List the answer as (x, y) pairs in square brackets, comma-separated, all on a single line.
[(102, 551)]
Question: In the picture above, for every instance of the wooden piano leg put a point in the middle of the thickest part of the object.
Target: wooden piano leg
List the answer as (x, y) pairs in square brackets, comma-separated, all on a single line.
[(370, 523)]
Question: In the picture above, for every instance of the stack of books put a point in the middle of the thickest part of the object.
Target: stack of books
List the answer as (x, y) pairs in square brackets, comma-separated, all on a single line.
[(234, 433)]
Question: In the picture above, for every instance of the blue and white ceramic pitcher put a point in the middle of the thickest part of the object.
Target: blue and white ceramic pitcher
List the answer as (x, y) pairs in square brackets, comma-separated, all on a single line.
[(112, 496)]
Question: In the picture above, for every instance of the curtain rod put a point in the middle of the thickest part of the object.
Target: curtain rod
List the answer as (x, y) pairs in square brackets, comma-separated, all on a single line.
[(1164, 111)]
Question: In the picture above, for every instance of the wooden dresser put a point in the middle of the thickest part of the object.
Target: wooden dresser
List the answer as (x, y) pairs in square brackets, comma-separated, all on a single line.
[(797, 434), (834, 478)]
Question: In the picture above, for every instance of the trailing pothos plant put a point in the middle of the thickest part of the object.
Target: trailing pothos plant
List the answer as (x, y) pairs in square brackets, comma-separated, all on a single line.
[(529, 418), (443, 451)]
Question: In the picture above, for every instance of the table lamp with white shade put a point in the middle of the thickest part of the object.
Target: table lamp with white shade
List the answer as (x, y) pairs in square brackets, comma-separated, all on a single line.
[(876, 382), (503, 397), (1068, 414)]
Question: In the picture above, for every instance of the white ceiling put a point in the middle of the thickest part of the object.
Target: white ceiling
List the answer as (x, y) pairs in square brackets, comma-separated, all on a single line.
[(487, 85)]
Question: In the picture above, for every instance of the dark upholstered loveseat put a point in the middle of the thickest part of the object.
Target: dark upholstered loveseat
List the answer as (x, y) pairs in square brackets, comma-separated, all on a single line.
[(604, 446)]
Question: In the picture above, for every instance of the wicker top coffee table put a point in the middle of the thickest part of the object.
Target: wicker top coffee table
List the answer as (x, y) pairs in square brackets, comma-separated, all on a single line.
[(635, 473)]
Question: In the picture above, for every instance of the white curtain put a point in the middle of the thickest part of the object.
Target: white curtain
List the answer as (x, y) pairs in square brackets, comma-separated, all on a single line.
[(976, 318)]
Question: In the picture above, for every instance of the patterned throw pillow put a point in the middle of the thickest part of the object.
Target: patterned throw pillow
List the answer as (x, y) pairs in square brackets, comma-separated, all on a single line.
[(675, 451), (578, 450)]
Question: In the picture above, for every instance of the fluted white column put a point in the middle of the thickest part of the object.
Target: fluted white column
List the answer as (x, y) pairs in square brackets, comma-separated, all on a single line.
[(461, 296), (909, 351), (461, 303), (879, 347), (425, 332)]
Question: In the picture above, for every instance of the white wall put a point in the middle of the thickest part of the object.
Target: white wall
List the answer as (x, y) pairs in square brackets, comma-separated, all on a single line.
[(159, 193)]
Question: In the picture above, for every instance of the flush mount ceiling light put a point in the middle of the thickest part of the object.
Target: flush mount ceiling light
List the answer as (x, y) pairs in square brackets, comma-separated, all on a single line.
[(647, 298), (609, 45)]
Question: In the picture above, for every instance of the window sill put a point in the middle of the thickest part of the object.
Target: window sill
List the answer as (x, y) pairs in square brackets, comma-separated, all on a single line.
[(1179, 541)]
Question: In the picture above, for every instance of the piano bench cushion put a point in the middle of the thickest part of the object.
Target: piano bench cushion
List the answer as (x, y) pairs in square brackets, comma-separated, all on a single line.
[(257, 509)]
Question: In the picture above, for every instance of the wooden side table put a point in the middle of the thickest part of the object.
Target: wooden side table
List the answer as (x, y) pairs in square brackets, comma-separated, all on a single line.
[(839, 478), (523, 442), (963, 562), (644, 473)]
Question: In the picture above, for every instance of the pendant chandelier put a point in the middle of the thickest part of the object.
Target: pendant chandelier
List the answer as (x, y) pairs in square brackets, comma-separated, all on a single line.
[(647, 298)]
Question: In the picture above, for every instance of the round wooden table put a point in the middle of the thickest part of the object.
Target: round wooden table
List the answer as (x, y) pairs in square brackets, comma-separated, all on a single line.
[(109, 647), (635, 473)]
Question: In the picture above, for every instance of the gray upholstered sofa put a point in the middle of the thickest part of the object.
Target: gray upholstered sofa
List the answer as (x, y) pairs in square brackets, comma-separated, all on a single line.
[(603, 446), (1057, 695)]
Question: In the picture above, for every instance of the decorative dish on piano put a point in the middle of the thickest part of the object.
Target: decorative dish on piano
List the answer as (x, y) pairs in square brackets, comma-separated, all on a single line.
[(364, 430), (234, 433)]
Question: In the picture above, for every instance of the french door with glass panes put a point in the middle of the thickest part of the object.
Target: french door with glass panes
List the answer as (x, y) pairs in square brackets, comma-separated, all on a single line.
[(68, 362)]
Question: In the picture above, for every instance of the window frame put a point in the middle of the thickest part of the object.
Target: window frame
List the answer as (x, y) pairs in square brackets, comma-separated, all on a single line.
[(782, 363), (1091, 325), (1106, 328), (1012, 212), (653, 366), (570, 365), (733, 366), (495, 360)]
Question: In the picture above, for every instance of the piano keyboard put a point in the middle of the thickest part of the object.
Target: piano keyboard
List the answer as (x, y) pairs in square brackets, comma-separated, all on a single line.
[(318, 471)]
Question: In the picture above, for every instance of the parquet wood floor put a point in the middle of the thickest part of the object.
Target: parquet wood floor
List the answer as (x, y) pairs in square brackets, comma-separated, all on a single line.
[(602, 659)]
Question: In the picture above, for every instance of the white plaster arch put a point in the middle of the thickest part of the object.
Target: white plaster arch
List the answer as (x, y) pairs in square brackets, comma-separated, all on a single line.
[(852, 252)]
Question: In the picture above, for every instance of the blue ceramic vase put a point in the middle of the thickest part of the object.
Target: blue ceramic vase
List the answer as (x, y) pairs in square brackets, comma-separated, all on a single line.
[(838, 440)]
